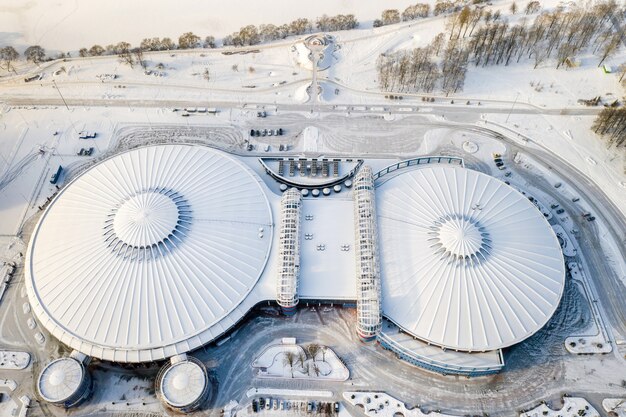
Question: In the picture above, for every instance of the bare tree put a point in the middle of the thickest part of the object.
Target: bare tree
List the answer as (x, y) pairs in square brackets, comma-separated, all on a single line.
[(96, 50), (138, 54), (390, 16), (301, 358), (416, 10), (513, 8), (188, 41), (565, 52), (622, 70), (611, 124), (289, 359), (209, 42), (150, 44), (610, 47), (167, 44), (539, 54), (532, 7), (313, 349), (443, 6), (8, 55), (35, 54), (300, 26), (122, 50), (316, 369), (437, 43), (268, 33), (324, 349)]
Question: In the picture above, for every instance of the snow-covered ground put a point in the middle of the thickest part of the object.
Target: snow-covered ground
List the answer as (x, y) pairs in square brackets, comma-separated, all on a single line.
[(14, 360), (615, 405), (572, 407), (271, 363), (383, 404)]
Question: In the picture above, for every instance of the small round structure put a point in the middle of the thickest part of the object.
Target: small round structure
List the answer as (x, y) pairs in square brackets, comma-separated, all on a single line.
[(326, 191), (304, 192), (337, 188), (468, 263), (184, 385), (283, 187), (347, 183), (315, 193), (64, 382)]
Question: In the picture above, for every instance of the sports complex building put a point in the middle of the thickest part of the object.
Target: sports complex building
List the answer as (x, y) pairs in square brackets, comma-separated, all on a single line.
[(159, 250)]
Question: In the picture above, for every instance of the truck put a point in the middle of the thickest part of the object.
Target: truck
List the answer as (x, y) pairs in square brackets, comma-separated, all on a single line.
[(57, 174)]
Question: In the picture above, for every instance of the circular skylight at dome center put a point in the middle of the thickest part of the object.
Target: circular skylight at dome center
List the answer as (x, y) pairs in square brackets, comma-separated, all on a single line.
[(461, 238), (146, 219)]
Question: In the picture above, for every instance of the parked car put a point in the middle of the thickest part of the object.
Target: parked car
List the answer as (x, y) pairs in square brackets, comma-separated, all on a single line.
[(560, 211), (85, 134)]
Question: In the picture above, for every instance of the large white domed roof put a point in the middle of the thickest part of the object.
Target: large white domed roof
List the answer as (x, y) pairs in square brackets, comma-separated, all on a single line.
[(137, 258), (467, 262)]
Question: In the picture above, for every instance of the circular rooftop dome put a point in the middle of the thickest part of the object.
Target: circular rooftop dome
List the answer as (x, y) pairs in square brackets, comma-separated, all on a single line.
[(183, 384), (60, 380), (467, 262), (142, 255)]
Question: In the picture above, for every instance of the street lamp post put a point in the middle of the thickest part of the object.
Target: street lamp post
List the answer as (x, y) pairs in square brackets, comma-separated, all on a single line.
[(509, 115)]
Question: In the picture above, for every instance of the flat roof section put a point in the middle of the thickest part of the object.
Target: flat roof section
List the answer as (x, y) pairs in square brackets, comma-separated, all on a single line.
[(328, 265)]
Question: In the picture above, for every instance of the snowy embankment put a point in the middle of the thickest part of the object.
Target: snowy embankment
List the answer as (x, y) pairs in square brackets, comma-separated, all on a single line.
[(289, 360)]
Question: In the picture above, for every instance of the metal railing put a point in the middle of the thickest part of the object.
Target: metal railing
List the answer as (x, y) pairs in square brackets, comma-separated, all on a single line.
[(423, 160)]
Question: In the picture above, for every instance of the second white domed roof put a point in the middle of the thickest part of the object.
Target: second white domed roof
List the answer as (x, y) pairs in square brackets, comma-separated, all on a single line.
[(467, 262)]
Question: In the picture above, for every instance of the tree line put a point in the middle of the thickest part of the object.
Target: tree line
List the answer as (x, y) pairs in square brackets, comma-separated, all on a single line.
[(477, 35), (247, 35)]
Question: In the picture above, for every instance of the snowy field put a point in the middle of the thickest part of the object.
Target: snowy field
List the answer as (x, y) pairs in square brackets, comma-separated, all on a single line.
[(54, 24)]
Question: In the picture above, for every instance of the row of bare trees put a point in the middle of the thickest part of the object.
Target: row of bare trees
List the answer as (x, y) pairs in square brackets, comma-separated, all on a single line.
[(424, 69), (560, 34), (291, 359), (611, 125), (8, 55), (252, 35), (484, 38)]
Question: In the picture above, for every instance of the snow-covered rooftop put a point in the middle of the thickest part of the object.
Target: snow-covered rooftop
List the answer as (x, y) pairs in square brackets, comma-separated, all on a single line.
[(138, 257), (183, 383), (60, 379), (467, 262)]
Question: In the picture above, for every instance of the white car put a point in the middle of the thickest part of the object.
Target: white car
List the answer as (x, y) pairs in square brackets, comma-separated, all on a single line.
[(31, 323), (40, 338)]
